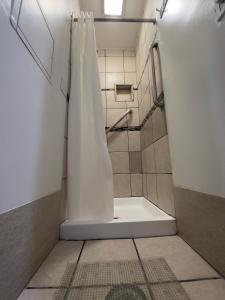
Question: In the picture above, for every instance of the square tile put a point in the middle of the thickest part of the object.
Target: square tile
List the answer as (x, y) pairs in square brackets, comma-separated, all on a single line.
[(101, 64), (103, 99), (148, 160), (206, 289), (134, 140), (117, 141), (184, 262), (169, 291), (147, 134), (162, 155), (123, 291), (152, 188), (108, 251), (108, 273), (134, 102), (120, 162), (165, 193), (102, 80), (136, 185), (114, 52), (129, 64), (58, 267), (122, 185), (144, 183), (133, 119), (114, 64), (159, 124), (135, 162), (114, 114), (114, 78), (158, 271), (111, 101), (131, 78), (130, 52), (42, 294), (100, 52)]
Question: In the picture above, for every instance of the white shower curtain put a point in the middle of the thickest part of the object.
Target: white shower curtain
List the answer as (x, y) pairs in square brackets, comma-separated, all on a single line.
[(90, 185)]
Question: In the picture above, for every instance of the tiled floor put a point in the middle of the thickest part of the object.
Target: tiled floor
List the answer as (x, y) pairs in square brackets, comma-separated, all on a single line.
[(163, 268)]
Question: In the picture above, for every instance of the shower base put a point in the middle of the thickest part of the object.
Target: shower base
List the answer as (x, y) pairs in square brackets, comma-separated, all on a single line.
[(134, 217)]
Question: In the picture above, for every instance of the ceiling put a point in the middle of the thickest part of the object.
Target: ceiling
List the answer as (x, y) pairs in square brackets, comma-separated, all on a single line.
[(116, 35)]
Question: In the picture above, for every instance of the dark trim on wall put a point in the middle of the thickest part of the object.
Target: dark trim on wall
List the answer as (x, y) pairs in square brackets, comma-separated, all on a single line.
[(27, 235)]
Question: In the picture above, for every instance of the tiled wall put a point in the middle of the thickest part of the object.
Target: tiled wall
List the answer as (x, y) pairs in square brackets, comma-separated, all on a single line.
[(157, 172), (119, 67)]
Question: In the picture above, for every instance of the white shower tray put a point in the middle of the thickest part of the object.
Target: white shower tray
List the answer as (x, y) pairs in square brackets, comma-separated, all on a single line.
[(135, 217)]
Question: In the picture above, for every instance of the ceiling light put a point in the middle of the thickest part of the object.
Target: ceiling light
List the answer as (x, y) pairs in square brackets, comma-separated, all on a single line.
[(113, 7)]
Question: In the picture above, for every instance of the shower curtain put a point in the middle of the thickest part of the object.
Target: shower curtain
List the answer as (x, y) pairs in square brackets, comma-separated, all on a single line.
[(90, 184)]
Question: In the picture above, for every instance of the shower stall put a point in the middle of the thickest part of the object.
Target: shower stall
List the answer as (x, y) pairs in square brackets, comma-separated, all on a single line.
[(94, 211)]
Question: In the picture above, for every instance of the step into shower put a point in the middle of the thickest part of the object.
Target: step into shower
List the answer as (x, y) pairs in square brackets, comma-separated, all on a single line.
[(134, 217)]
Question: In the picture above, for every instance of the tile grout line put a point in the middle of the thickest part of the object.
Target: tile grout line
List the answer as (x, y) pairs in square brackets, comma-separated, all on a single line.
[(143, 270), (74, 272)]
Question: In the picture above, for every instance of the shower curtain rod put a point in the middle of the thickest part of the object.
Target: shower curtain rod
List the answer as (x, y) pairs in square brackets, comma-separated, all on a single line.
[(123, 20)]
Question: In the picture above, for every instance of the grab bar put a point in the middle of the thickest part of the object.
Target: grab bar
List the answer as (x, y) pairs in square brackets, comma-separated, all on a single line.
[(120, 119), (158, 101)]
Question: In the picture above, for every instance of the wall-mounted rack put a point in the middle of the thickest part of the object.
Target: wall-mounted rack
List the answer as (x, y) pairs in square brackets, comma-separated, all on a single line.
[(123, 20)]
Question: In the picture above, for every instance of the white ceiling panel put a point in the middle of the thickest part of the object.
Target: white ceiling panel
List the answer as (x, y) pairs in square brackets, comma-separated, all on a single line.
[(116, 35)]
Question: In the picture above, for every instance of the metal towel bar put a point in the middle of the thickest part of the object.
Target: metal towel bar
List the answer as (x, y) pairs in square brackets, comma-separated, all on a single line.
[(120, 119)]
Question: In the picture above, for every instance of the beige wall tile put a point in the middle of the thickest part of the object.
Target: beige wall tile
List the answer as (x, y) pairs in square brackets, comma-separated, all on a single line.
[(129, 52), (120, 162), (144, 184), (165, 192), (114, 114), (117, 141), (134, 102), (162, 155), (201, 223), (148, 160), (114, 78), (114, 64), (114, 52), (152, 188), (122, 186), (105, 116), (101, 64), (135, 162), (159, 124), (145, 81), (133, 119), (131, 78), (103, 99), (102, 80), (134, 140), (136, 185), (147, 134), (111, 101), (101, 52), (129, 64)]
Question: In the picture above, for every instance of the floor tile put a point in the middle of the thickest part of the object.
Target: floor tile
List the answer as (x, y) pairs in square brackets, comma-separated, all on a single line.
[(206, 289), (157, 270), (169, 291), (43, 294), (111, 273), (109, 293), (58, 267), (182, 259), (108, 251)]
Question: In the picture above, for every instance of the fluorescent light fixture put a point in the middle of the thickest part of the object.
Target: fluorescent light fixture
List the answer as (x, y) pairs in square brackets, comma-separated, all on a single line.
[(113, 7)]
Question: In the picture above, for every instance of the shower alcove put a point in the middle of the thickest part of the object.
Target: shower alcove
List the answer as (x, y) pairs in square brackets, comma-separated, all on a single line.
[(134, 217)]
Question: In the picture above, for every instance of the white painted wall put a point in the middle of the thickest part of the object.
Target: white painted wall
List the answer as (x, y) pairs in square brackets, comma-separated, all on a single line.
[(192, 48), (32, 111)]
